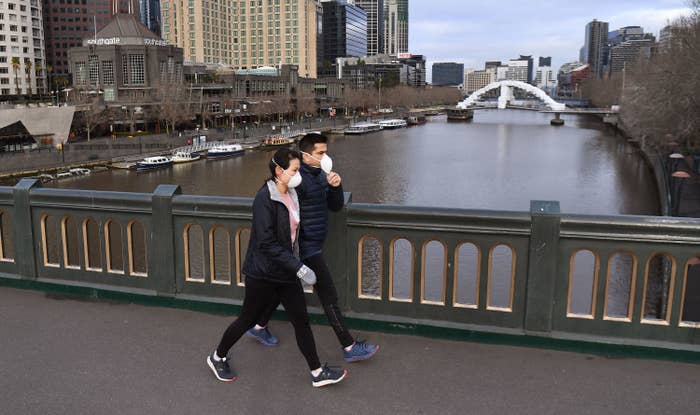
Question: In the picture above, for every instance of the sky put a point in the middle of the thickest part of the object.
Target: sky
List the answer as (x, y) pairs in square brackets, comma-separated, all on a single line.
[(472, 32)]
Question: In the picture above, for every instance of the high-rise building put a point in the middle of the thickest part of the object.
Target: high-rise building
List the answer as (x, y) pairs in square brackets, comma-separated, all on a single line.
[(413, 69), (594, 47), (375, 25), (150, 15), (629, 52), (66, 27), (22, 52), (543, 77), (448, 73), (475, 80), (545, 61), (395, 27), (518, 70), (245, 34), (530, 66), (344, 31), (492, 64)]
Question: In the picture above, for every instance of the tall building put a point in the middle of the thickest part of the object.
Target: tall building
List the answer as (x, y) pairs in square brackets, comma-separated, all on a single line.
[(629, 53), (22, 52), (530, 66), (245, 34), (448, 73), (150, 15), (594, 47), (518, 70), (544, 77), (413, 69), (395, 27), (475, 80), (344, 31), (375, 25), (545, 61), (66, 27), (492, 64)]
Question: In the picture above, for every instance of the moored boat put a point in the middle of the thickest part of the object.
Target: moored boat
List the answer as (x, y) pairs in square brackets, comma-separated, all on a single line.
[(185, 157), (227, 150), (459, 114), (416, 120), (79, 171), (152, 163), (277, 141), (363, 128), (393, 123)]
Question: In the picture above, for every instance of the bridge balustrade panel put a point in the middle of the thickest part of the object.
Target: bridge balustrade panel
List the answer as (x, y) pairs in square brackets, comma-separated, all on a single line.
[(438, 264), (211, 236), (80, 236), (620, 278), (7, 243)]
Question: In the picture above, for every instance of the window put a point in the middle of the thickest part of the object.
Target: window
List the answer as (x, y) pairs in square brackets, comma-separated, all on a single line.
[(107, 73)]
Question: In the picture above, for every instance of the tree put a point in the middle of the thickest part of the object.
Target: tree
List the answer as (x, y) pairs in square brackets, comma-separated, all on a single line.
[(174, 107), (659, 97), (305, 102), (90, 112), (28, 71), (15, 67)]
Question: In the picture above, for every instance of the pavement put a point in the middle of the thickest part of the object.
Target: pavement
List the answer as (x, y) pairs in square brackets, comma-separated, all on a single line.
[(64, 355)]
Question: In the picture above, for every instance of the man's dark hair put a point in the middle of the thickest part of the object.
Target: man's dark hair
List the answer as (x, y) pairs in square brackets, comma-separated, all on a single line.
[(308, 142)]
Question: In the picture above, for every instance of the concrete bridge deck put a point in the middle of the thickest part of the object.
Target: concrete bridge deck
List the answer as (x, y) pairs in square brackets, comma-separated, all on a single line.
[(63, 355)]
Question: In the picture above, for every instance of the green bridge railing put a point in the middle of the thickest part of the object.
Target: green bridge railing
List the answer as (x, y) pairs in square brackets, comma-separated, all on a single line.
[(626, 280)]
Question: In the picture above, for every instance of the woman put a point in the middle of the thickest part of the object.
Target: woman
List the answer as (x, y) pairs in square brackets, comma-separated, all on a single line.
[(272, 271)]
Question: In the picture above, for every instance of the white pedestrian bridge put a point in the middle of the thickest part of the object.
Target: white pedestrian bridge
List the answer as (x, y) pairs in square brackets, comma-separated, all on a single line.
[(507, 95)]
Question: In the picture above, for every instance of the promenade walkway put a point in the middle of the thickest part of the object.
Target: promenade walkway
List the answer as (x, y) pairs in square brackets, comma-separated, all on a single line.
[(61, 355)]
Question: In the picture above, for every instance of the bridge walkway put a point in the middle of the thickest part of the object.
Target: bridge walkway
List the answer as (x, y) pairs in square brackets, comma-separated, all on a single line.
[(65, 355)]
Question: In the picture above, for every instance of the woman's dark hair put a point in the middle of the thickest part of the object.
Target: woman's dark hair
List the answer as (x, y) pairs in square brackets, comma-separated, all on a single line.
[(309, 141), (281, 158)]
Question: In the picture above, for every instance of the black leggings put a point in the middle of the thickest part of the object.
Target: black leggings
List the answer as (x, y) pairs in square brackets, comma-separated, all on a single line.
[(328, 296), (258, 296)]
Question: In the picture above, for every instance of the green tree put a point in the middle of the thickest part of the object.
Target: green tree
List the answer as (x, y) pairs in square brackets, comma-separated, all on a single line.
[(15, 67)]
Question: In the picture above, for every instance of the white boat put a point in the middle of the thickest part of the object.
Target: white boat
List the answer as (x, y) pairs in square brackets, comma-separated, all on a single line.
[(393, 123), (63, 174), (228, 150), (79, 171), (363, 128), (185, 157), (152, 163)]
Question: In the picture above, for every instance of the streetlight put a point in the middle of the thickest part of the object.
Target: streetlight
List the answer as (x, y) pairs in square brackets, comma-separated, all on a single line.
[(678, 178), (675, 159)]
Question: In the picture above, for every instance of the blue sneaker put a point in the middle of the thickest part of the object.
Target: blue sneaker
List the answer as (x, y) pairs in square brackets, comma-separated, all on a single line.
[(263, 336), (361, 350)]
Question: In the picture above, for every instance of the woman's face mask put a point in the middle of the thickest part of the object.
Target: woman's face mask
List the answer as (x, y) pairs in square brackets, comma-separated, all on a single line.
[(294, 181)]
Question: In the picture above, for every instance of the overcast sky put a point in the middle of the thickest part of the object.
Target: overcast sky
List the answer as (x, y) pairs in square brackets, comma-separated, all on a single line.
[(472, 32)]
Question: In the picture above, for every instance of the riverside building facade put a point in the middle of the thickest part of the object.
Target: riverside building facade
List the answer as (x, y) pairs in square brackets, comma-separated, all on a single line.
[(245, 34), (22, 51)]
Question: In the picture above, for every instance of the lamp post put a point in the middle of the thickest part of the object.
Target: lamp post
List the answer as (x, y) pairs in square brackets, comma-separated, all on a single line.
[(678, 179)]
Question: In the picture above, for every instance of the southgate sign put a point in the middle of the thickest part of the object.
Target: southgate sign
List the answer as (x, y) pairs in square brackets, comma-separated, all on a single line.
[(114, 41)]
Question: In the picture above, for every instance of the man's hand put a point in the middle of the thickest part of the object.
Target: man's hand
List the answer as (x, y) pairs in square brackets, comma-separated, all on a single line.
[(334, 179)]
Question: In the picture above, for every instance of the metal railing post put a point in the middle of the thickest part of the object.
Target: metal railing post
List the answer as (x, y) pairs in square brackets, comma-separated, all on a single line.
[(336, 252), (542, 265), (161, 258), (25, 248)]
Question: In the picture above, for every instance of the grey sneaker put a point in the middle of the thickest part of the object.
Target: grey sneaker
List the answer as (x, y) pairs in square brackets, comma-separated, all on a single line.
[(328, 376), (221, 368)]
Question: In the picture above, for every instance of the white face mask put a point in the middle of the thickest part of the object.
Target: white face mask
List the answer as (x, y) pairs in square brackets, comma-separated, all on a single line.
[(326, 162), (294, 181)]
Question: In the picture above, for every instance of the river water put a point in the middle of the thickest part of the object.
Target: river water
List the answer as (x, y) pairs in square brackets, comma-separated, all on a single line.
[(501, 160)]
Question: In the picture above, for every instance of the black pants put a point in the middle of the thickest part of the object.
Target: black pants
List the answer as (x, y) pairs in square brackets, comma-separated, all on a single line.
[(258, 296), (328, 296)]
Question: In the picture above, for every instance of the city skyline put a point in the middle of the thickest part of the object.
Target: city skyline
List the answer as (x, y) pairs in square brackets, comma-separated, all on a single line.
[(446, 31)]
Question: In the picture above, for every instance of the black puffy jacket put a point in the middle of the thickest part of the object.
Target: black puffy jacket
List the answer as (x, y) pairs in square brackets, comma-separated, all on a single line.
[(316, 196), (270, 255)]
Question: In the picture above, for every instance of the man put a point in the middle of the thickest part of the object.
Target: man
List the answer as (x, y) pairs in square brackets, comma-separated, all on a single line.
[(319, 191)]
